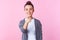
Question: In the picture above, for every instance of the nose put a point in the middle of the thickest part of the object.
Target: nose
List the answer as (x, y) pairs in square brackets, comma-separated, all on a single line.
[(28, 10)]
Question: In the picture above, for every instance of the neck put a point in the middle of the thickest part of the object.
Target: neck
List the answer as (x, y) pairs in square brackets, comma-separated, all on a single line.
[(29, 17)]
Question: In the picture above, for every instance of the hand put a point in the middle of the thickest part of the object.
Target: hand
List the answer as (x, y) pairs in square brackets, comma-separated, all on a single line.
[(26, 23), (28, 20)]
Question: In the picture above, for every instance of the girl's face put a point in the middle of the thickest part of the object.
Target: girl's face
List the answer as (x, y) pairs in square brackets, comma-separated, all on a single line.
[(29, 10)]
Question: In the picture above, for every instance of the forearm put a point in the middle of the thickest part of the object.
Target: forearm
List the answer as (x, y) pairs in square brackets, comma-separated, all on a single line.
[(25, 25)]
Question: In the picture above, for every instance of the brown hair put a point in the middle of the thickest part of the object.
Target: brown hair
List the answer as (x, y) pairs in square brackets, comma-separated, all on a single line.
[(29, 3)]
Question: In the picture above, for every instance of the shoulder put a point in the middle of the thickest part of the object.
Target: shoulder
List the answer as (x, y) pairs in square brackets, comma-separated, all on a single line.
[(37, 21), (22, 21)]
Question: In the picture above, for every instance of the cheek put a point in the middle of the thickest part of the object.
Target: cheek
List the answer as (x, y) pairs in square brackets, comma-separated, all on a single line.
[(32, 12), (26, 12)]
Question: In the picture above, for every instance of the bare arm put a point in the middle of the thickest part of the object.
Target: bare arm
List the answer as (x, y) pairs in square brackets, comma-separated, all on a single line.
[(23, 25), (26, 23)]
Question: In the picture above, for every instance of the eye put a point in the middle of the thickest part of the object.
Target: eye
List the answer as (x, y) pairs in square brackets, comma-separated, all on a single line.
[(30, 8), (26, 9)]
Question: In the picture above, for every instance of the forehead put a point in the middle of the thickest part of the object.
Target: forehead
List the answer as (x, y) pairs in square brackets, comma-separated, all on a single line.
[(28, 6)]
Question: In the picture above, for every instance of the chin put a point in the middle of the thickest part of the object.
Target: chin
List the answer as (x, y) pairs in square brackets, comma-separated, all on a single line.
[(29, 16)]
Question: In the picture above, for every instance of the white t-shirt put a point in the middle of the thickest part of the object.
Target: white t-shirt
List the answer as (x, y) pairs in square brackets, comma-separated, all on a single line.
[(31, 30)]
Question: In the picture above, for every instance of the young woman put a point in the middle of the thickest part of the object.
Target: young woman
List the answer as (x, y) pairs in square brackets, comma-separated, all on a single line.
[(31, 27)]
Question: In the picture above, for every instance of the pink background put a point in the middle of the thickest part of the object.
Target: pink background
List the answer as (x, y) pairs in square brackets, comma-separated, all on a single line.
[(12, 11)]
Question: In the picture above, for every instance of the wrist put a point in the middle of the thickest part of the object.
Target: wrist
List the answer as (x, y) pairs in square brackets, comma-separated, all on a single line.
[(26, 22)]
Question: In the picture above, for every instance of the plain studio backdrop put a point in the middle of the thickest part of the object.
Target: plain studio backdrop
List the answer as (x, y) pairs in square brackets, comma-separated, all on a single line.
[(12, 11)]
